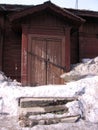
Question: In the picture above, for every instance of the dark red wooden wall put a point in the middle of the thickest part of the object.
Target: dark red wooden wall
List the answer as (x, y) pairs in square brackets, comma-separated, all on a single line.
[(1, 38), (47, 24), (74, 46), (11, 52), (88, 39), (84, 42), (44, 24)]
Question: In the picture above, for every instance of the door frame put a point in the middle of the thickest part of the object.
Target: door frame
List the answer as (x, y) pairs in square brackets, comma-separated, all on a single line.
[(24, 55)]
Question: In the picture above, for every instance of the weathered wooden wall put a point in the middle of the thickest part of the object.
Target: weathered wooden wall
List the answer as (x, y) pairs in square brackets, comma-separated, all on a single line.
[(11, 52), (78, 45), (88, 39), (45, 26), (1, 38), (74, 46), (45, 23)]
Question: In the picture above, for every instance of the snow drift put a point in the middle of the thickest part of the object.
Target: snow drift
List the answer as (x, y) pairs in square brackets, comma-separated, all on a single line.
[(86, 90), (81, 70)]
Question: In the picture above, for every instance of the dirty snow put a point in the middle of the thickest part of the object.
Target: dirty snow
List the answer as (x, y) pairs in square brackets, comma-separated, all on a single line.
[(86, 90)]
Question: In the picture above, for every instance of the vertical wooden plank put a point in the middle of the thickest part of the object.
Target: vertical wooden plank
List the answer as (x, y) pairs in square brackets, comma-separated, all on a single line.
[(67, 48), (29, 65), (40, 64), (36, 61), (63, 53), (1, 47), (1, 40), (54, 56), (74, 46), (24, 56)]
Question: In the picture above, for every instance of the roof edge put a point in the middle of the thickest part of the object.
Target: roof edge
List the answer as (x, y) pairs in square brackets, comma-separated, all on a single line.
[(48, 4)]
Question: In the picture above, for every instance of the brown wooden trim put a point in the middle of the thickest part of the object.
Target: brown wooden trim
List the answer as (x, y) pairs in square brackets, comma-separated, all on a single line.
[(1, 58), (29, 64), (67, 48), (1, 47), (1, 43), (45, 30), (24, 57), (50, 6)]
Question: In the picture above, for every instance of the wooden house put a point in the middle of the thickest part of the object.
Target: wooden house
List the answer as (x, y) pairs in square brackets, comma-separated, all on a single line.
[(39, 43)]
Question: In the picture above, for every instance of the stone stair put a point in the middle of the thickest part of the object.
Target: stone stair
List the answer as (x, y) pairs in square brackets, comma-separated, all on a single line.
[(34, 106)]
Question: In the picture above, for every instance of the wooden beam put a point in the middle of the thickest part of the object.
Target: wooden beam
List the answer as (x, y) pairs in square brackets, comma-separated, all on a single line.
[(67, 48), (24, 56), (1, 50), (2, 29)]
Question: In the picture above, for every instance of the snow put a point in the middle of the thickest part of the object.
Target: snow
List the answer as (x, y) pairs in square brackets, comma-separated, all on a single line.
[(81, 70), (10, 95), (86, 90)]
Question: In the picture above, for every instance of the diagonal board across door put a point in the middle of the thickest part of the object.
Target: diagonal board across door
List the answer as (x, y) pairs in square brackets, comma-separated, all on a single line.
[(46, 59)]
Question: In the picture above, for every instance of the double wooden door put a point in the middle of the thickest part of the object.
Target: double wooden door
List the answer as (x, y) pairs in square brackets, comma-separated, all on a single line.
[(46, 59)]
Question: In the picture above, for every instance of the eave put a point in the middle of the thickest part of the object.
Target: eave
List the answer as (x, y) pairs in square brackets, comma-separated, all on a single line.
[(50, 6)]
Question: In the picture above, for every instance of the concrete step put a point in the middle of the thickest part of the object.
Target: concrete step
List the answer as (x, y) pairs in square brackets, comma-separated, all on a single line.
[(26, 122), (42, 102), (33, 106), (42, 110)]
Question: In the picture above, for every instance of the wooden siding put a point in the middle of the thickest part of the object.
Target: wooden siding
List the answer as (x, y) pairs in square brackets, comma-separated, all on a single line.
[(1, 50), (78, 45), (50, 7), (1, 38), (12, 53), (47, 25), (74, 46), (88, 40)]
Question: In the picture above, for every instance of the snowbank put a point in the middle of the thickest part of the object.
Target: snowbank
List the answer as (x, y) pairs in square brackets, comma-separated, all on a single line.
[(81, 70), (86, 90)]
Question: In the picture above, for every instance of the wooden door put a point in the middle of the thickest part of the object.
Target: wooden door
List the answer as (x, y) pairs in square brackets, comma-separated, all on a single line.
[(45, 60)]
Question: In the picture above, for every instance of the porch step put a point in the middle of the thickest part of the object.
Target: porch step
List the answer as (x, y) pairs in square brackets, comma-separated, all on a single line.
[(33, 106), (42, 102), (29, 122), (42, 110)]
